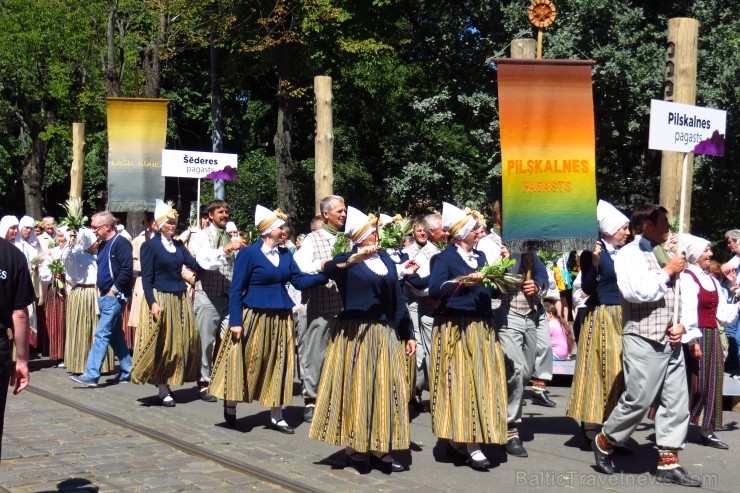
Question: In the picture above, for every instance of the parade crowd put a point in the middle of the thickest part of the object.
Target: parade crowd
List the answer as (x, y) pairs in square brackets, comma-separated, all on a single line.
[(367, 329)]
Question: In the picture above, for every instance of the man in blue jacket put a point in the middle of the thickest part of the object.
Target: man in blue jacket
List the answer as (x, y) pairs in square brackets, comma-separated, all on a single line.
[(115, 272)]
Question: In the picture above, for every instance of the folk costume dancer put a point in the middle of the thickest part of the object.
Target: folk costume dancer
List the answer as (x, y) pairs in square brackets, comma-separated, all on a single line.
[(653, 360), (702, 306), (215, 250), (81, 316), (256, 358), (467, 373), (168, 347), (598, 380), (362, 397), (323, 302)]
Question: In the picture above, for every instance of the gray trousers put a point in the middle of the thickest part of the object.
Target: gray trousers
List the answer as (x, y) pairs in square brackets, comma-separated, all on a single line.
[(518, 336), (653, 372), (212, 318), (543, 360), (312, 351), (300, 324), (423, 323)]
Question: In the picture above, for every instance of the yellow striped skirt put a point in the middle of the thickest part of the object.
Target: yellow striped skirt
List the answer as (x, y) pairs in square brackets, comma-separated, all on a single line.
[(467, 381), (598, 380), (259, 365), (168, 350), (362, 400), (81, 321)]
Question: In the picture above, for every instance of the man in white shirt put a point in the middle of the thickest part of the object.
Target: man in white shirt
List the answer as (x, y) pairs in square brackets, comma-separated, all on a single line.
[(215, 251), (654, 368), (324, 302)]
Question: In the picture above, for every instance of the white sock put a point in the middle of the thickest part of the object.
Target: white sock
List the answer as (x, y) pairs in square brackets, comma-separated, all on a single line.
[(475, 452), (164, 391)]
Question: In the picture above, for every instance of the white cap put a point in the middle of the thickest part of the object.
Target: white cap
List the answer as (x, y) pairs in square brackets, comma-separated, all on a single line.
[(86, 238), (609, 217), (6, 223), (456, 221), (266, 220), (163, 212), (359, 225), (231, 227), (694, 246), (27, 222)]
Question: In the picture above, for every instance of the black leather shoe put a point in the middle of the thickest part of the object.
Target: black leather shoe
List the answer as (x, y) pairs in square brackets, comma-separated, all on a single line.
[(677, 475), (168, 401), (542, 399), (480, 465), (514, 447), (603, 461), (418, 404), (713, 441), (308, 414), (386, 463), (284, 428), (206, 396), (230, 418)]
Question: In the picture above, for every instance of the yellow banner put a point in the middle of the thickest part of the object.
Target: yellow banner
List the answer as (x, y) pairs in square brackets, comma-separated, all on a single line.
[(137, 131), (547, 153)]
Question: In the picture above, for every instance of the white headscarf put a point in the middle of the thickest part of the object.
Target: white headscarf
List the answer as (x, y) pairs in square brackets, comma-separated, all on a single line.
[(609, 217), (6, 223), (457, 221), (694, 246)]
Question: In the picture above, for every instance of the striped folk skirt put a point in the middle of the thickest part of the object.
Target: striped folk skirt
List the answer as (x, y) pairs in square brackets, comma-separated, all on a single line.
[(82, 319), (168, 350), (598, 380), (259, 365), (467, 381), (54, 310), (705, 382), (362, 400)]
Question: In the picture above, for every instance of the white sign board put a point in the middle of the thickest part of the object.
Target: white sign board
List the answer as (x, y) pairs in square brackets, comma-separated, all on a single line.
[(190, 164), (685, 128)]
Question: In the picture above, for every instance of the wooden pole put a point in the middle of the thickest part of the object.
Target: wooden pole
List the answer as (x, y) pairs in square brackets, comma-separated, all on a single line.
[(680, 87), (540, 35), (77, 172), (324, 146), (523, 48), (681, 220)]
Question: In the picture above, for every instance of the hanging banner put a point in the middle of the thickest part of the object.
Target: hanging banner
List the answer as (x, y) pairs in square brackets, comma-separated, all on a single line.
[(194, 164), (137, 130), (548, 155), (686, 128)]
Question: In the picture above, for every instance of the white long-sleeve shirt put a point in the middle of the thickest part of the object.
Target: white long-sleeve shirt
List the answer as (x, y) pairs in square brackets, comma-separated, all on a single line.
[(637, 283), (726, 313), (304, 255), (208, 257)]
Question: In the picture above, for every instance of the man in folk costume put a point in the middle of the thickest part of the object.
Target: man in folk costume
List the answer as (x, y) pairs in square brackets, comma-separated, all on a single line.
[(518, 319), (324, 302), (654, 367), (421, 308), (115, 271), (215, 252)]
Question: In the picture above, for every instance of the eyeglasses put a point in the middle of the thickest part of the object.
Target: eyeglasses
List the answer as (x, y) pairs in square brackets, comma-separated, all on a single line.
[(96, 229)]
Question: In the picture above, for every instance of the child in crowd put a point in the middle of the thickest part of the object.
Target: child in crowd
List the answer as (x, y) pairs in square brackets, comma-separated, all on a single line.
[(561, 343)]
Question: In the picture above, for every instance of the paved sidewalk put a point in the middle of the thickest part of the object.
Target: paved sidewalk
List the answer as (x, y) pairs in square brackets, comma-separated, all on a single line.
[(47, 443)]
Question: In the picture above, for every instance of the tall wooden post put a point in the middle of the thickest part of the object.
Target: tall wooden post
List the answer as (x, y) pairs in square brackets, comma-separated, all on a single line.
[(77, 172), (324, 172), (523, 48), (680, 87)]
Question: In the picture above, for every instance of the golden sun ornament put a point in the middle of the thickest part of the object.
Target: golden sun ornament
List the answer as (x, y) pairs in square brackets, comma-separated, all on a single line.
[(542, 13)]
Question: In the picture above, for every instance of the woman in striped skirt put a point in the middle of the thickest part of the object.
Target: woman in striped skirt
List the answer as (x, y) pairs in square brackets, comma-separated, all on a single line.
[(56, 297), (362, 398), (467, 387), (597, 380), (256, 361), (702, 306), (168, 345), (82, 316)]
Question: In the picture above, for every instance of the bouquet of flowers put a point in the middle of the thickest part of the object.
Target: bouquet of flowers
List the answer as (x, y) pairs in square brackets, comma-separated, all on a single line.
[(495, 275), (392, 234), (341, 245), (75, 218), (250, 234), (57, 269)]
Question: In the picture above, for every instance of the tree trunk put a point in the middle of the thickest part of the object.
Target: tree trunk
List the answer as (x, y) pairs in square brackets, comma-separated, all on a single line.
[(35, 159), (112, 76), (283, 136)]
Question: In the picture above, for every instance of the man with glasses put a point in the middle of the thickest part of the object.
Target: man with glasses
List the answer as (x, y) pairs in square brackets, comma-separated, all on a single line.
[(115, 271)]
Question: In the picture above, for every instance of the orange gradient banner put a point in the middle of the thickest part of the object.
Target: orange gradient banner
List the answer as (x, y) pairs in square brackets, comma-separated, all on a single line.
[(547, 153)]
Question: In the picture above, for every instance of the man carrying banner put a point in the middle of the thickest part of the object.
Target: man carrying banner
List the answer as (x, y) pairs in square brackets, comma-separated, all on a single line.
[(654, 369)]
